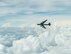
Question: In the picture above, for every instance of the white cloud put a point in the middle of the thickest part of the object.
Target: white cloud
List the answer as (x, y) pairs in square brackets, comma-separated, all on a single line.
[(7, 24), (43, 43), (60, 50), (2, 49), (29, 45)]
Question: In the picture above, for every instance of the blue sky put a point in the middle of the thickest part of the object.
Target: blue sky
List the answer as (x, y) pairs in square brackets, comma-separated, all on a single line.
[(34, 9)]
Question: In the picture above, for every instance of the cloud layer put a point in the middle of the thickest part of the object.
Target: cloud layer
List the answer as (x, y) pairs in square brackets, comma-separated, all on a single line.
[(49, 7)]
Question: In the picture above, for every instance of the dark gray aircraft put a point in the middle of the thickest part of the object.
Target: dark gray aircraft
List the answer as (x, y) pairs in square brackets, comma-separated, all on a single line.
[(43, 25)]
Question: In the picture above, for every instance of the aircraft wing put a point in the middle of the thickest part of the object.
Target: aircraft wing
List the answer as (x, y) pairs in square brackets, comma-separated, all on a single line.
[(43, 26), (44, 21)]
